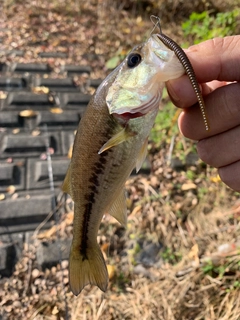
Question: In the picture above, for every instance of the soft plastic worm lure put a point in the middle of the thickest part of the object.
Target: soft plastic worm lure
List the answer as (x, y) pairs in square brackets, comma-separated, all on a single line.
[(187, 66)]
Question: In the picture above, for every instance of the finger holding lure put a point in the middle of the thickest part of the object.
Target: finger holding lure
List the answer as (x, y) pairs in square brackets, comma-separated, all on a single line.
[(111, 140), (183, 58)]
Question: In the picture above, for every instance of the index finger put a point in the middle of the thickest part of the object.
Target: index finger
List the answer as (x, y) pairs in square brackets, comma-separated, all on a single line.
[(216, 59)]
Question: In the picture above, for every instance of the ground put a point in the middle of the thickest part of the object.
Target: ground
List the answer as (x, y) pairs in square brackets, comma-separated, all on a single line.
[(179, 257)]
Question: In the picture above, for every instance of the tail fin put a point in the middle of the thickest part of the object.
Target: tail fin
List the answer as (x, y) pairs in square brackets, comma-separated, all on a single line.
[(90, 270)]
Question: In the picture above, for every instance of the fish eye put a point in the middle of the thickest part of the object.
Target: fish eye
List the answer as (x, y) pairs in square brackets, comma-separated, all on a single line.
[(133, 60)]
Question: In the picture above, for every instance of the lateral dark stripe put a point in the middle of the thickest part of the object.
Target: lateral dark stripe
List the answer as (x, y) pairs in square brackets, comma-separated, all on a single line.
[(97, 169)]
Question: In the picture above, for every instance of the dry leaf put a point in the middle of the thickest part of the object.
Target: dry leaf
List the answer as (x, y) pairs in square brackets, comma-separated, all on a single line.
[(193, 254), (136, 210), (56, 110), (188, 186), (3, 95), (69, 218), (28, 113), (105, 247), (2, 196), (15, 131), (48, 233), (35, 273), (36, 133), (70, 152), (55, 310), (111, 271), (11, 189), (126, 30), (215, 179), (40, 90)]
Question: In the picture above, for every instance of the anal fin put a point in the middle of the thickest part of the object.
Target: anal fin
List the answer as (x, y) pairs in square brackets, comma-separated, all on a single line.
[(142, 155), (119, 209)]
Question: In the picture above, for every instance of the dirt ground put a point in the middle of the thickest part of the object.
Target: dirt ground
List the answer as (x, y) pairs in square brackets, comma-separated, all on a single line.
[(179, 258)]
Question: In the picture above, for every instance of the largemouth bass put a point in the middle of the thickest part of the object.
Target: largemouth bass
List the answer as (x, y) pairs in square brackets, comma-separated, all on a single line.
[(111, 140)]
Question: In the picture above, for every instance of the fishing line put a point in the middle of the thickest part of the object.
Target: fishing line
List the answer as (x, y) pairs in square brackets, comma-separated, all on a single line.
[(56, 217), (156, 22)]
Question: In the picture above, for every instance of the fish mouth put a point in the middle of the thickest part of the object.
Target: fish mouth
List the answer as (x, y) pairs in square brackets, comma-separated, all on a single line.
[(139, 111), (125, 117)]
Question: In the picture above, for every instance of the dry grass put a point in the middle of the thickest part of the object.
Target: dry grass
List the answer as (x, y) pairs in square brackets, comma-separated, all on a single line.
[(182, 291), (203, 284)]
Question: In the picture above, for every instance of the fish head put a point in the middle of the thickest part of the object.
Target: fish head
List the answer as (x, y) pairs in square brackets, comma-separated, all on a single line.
[(140, 78)]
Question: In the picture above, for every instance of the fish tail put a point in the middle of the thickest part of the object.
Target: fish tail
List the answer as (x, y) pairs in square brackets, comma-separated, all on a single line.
[(89, 268)]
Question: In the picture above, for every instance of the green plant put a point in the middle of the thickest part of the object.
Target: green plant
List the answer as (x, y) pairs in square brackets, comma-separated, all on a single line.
[(202, 191), (163, 124), (170, 256), (114, 61), (208, 267), (215, 270), (203, 26), (191, 175), (234, 286)]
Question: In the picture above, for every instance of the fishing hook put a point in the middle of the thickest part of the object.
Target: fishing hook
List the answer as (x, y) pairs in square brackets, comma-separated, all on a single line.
[(156, 22)]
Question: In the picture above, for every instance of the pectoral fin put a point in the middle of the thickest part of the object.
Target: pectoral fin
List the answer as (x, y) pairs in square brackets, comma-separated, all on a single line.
[(119, 209), (142, 155), (66, 186), (118, 138)]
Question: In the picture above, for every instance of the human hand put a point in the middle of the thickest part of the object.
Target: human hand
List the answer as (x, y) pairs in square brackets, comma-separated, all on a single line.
[(217, 66)]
